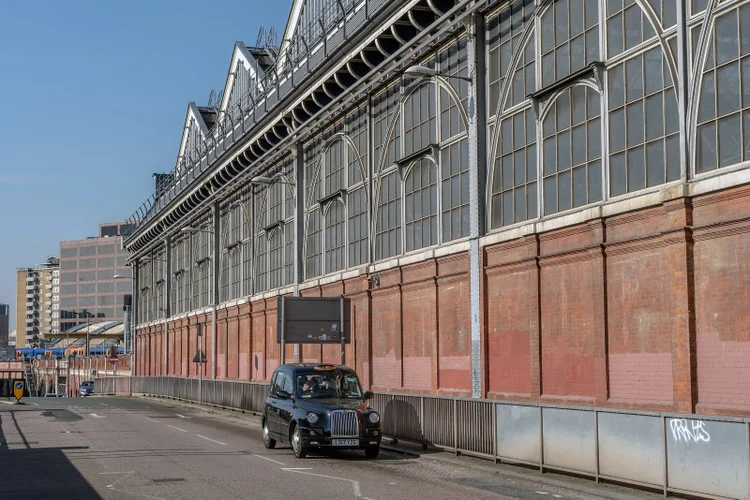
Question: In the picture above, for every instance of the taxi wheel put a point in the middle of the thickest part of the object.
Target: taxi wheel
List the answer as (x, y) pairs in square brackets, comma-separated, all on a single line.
[(372, 452), (297, 446), (267, 441)]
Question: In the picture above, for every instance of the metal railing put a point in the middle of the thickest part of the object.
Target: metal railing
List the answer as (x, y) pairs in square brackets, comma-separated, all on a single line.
[(309, 49), (686, 454)]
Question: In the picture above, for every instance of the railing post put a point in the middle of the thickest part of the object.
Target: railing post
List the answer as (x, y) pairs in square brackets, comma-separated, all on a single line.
[(495, 430), (455, 426), (596, 443), (422, 421), (665, 473), (541, 439)]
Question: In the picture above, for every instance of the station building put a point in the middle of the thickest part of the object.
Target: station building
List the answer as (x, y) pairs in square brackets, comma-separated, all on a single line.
[(528, 200)]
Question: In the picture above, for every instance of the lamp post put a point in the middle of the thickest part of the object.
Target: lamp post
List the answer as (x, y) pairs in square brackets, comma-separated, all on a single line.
[(282, 179), (127, 324), (476, 176)]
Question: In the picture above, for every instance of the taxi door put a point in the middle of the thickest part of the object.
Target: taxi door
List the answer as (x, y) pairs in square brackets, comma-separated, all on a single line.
[(274, 402), (286, 406)]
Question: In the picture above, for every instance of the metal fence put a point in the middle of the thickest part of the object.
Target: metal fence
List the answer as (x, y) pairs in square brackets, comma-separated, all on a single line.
[(687, 454)]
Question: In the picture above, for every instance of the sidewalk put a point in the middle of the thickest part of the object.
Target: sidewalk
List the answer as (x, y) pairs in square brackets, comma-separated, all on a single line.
[(505, 471), (516, 472)]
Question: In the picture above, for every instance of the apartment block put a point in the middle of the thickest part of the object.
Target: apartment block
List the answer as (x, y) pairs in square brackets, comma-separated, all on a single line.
[(4, 324), (37, 302)]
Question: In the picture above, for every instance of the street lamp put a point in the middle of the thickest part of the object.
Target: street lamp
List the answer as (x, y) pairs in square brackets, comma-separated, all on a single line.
[(419, 70), (127, 320), (474, 201), (282, 179)]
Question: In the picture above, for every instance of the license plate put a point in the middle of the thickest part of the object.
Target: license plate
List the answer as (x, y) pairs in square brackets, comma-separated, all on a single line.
[(345, 442)]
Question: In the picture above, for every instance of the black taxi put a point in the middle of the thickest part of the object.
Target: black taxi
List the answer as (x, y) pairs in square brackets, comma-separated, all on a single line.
[(320, 406)]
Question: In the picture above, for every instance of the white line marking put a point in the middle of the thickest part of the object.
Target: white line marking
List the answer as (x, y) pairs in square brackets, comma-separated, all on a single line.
[(35, 404), (173, 427), (125, 472), (557, 496), (296, 468), (96, 416), (180, 416), (151, 420), (355, 484), (212, 440), (543, 492), (269, 459)]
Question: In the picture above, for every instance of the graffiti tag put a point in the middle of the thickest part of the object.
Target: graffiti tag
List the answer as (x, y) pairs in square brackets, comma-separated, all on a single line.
[(689, 430)]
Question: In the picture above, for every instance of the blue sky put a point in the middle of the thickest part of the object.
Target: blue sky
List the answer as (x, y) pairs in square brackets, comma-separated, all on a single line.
[(94, 96)]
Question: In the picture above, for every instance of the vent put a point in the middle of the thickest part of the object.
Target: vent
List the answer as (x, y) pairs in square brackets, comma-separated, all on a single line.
[(344, 423)]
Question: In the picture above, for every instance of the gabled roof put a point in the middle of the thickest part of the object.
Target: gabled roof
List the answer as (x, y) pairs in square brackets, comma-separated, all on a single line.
[(243, 69), (291, 28), (196, 129)]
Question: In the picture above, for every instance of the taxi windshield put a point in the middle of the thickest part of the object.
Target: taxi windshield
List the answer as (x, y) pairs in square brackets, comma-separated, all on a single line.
[(333, 384)]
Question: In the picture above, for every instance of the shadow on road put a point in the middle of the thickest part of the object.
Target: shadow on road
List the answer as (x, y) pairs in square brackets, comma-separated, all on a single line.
[(34, 473)]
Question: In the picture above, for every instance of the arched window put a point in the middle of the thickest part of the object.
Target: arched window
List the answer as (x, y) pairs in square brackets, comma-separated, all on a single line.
[(421, 205), (420, 119), (570, 38), (274, 219), (643, 124), (723, 118), (335, 236), (337, 197), (514, 183), (276, 258), (571, 163)]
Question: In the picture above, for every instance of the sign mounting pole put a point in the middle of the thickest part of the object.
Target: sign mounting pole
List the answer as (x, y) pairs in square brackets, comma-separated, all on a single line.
[(281, 328), (342, 334)]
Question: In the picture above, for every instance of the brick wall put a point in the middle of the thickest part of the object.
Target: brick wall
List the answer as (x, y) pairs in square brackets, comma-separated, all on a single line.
[(646, 309)]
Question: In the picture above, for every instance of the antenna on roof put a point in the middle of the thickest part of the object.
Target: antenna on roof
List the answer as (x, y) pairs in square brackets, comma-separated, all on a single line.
[(268, 40), (214, 98)]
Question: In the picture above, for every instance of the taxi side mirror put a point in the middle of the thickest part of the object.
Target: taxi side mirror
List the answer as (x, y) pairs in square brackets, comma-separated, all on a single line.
[(368, 395)]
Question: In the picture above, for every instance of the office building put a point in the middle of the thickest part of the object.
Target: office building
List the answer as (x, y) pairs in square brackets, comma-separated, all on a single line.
[(89, 291), (37, 302)]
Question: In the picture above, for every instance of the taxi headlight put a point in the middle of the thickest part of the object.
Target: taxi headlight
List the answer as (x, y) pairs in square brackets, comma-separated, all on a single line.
[(312, 417), (374, 418)]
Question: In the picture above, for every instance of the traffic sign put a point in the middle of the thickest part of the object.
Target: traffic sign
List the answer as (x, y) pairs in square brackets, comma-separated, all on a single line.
[(19, 385), (199, 357), (113, 358)]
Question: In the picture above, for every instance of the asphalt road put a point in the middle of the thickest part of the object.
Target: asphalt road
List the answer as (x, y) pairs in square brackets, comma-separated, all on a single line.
[(129, 448)]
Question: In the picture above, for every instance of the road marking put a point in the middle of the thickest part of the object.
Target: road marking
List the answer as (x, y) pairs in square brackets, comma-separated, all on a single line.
[(173, 427), (543, 492), (151, 420), (180, 416), (355, 484), (269, 459), (212, 440), (35, 404), (96, 416), (557, 496), (296, 468), (125, 472)]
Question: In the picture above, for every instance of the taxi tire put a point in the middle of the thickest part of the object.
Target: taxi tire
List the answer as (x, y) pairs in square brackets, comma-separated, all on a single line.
[(372, 452), (299, 450), (268, 443)]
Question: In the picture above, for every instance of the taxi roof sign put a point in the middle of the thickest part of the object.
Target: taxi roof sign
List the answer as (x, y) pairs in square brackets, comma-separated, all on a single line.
[(326, 368)]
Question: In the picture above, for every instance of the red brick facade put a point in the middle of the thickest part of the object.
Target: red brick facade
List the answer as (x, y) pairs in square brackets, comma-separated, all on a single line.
[(646, 309)]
